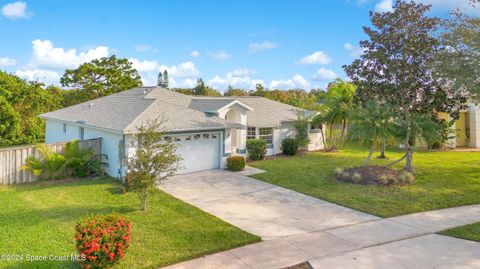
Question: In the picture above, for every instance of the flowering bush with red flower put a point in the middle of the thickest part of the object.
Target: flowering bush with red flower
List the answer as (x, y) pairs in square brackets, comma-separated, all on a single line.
[(102, 240)]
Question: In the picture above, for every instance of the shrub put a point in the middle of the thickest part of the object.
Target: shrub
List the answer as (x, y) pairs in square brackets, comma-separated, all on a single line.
[(289, 146), (49, 167), (302, 134), (339, 171), (75, 162), (235, 163), (81, 162), (102, 240), (357, 177), (256, 148)]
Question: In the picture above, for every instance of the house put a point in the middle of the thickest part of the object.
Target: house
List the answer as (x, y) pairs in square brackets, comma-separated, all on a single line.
[(467, 126), (207, 130)]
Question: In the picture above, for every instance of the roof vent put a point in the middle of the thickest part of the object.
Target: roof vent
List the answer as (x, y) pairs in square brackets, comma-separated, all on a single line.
[(145, 91), (90, 105)]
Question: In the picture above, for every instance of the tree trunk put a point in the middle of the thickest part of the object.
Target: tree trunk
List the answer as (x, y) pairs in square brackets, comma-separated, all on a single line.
[(382, 150), (409, 158), (397, 161), (144, 201), (342, 131), (372, 149), (323, 138), (330, 142)]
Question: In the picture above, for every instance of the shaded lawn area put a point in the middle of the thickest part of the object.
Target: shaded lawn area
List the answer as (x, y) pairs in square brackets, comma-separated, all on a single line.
[(40, 220), (443, 179), (469, 232)]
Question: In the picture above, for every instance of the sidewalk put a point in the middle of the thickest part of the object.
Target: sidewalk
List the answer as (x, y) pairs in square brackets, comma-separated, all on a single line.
[(400, 242)]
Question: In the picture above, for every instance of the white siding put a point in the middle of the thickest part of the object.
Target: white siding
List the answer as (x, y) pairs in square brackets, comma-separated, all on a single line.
[(285, 130), (54, 132), (110, 141), (110, 147)]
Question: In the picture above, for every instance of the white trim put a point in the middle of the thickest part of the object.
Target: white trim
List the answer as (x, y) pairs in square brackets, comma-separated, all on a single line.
[(83, 125), (233, 103)]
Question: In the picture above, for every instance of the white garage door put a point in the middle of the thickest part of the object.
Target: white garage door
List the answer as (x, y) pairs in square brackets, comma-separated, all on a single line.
[(200, 151)]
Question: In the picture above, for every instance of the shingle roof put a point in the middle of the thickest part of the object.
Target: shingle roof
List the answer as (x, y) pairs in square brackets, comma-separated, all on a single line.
[(209, 105), (266, 112), (125, 111)]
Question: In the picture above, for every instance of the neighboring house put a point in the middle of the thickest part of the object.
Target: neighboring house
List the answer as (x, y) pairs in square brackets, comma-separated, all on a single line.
[(468, 125), (206, 129)]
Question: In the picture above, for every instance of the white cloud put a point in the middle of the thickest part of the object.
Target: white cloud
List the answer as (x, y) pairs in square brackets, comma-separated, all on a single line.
[(265, 45), (16, 10), (45, 76), (354, 51), (221, 55), (7, 61), (298, 81), (194, 54), (183, 70), (324, 74), (384, 6), (318, 57), (144, 66), (46, 55), (240, 78), (142, 48), (463, 5)]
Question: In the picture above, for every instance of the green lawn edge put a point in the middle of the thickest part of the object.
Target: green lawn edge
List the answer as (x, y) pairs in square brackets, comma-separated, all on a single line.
[(444, 179), (39, 219), (469, 232)]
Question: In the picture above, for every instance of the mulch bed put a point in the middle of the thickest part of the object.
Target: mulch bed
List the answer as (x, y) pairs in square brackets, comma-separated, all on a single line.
[(375, 175), (50, 182)]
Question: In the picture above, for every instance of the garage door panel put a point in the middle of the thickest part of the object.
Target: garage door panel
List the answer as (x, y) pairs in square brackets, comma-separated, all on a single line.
[(199, 151)]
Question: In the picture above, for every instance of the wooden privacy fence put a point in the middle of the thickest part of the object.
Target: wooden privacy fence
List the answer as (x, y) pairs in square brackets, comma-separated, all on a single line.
[(12, 159)]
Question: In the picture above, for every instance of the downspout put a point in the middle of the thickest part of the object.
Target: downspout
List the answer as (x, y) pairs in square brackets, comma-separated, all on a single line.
[(122, 155)]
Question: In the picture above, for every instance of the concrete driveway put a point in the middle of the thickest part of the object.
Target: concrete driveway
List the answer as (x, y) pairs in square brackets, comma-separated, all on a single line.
[(257, 207)]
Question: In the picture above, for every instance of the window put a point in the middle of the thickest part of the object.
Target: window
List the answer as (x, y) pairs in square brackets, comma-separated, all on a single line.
[(64, 128), (251, 132), (206, 136), (196, 137), (267, 135), (82, 133)]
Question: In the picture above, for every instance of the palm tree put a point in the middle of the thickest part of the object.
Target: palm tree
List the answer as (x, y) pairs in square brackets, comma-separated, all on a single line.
[(335, 110), (422, 129), (372, 123)]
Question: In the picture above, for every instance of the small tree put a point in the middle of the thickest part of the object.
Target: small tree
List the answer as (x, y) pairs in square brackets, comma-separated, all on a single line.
[(154, 161), (301, 128), (372, 123)]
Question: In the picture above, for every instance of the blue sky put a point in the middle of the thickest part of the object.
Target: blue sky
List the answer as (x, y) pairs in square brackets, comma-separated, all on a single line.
[(282, 44)]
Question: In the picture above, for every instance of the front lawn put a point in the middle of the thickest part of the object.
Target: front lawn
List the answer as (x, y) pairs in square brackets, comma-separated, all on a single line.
[(40, 220), (469, 232), (443, 179)]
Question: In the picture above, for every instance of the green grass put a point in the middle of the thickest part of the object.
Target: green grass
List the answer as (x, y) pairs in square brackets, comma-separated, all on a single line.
[(443, 179), (39, 220), (469, 232)]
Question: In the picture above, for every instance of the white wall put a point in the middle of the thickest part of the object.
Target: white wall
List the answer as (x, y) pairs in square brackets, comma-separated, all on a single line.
[(110, 141), (474, 115), (54, 132), (110, 147), (285, 130)]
